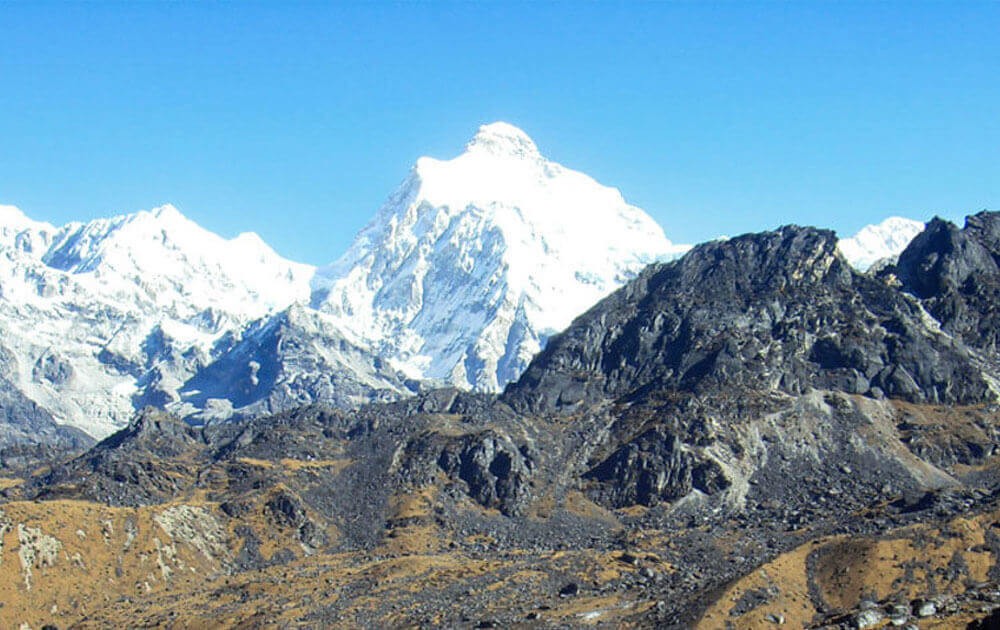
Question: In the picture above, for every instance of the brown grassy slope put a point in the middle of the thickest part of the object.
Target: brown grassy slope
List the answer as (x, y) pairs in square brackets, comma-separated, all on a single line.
[(831, 576)]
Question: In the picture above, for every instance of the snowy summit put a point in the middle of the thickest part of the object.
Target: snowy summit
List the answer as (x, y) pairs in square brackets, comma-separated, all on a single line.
[(881, 241), (503, 139), (103, 317), (474, 261)]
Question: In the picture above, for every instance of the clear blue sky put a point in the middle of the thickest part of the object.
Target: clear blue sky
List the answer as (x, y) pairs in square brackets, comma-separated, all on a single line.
[(297, 120)]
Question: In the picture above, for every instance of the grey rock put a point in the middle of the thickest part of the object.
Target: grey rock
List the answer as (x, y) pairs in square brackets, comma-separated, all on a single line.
[(780, 309), (956, 274), (925, 608), (868, 618), (654, 468), (570, 590), (494, 469)]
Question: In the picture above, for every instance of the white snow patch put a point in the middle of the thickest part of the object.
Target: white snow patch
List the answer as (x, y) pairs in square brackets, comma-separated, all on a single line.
[(879, 241)]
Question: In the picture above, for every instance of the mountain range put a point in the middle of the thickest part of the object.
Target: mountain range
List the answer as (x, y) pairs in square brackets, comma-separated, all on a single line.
[(755, 434), (460, 279)]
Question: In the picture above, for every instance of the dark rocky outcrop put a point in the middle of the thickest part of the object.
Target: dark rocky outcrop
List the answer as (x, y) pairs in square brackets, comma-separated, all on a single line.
[(956, 274), (288, 512), (153, 433), (652, 468), (775, 311), (152, 459), (496, 472)]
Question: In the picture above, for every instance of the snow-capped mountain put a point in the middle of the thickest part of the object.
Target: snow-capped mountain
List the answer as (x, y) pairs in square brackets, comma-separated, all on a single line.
[(105, 316), (473, 262), (460, 278), (880, 241)]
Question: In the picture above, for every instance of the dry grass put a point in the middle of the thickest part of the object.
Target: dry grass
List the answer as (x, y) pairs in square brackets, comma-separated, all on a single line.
[(914, 562), (102, 554), (331, 465), (418, 504), (9, 482), (259, 463), (577, 503)]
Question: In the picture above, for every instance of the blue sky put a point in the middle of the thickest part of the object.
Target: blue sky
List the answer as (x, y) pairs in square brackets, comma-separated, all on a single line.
[(297, 120)]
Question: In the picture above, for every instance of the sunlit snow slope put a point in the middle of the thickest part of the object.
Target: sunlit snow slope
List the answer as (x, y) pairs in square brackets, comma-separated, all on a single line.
[(881, 241), (106, 316), (473, 262)]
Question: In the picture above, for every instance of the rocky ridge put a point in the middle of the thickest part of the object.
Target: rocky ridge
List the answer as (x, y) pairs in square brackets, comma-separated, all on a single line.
[(778, 312)]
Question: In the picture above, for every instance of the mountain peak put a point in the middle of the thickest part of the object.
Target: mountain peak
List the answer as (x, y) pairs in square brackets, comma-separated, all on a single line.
[(502, 139), (168, 212), (11, 214), (879, 241), (475, 260), (12, 218)]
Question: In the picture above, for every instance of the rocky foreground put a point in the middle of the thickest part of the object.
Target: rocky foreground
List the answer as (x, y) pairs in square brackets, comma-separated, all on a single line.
[(754, 435)]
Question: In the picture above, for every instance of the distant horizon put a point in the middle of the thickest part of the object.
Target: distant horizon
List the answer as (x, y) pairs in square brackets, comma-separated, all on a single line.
[(296, 122)]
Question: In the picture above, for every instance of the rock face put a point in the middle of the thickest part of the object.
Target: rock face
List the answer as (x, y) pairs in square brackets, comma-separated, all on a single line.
[(780, 311), (654, 467), (495, 471), (720, 377), (956, 274)]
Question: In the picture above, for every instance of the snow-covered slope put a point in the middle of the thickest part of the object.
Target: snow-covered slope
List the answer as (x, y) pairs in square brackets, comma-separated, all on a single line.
[(109, 315), (879, 241), (290, 359), (473, 262), (179, 265)]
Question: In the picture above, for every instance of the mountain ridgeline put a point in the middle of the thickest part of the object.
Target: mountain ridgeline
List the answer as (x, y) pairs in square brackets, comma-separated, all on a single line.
[(714, 443), (783, 311), (460, 279)]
